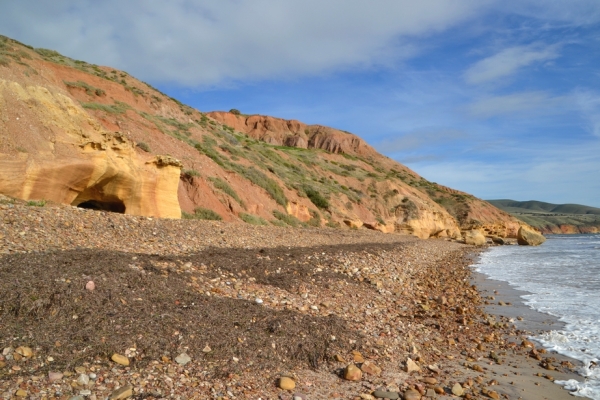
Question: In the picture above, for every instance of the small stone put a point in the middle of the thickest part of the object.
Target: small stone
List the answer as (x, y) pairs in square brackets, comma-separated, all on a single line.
[(258, 301), (493, 395), (412, 394), (412, 366), (366, 396), (80, 370), (352, 373), (21, 393), (358, 358), (85, 392), (381, 394), (182, 359), (370, 368), (477, 368), (429, 381), (339, 358), (299, 396), (438, 390), (83, 380), (24, 351), (457, 390), (206, 349), (287, 383), (78, 397), (119, 359), (122, 393), (90, 286), (430, 393)]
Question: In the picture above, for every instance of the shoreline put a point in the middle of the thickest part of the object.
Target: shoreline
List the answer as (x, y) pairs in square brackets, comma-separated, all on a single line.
[(528, 322), (247, 305)]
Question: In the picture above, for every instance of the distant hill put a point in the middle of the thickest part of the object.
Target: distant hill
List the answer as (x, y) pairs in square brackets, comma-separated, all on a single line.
[(553, 218), (540, 206)]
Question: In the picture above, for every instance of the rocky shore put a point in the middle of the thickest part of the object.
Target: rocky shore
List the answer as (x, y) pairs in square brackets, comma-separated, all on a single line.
[(100, 305)]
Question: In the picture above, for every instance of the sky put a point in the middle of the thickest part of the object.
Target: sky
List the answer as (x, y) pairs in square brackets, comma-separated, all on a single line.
[(498, 98)]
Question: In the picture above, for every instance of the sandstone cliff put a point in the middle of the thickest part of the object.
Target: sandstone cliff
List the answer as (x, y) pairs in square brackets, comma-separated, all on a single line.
[(92, 136)]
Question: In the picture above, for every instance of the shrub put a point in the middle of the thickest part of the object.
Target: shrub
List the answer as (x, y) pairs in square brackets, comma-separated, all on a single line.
[(279, 223), (190, 173), (202, 213), (288, 219), (316, 197), (315, 219), (4, 62), (36, 203), (235, 111), (144, 146), (117, 108), (225, 188), (260, 179), (253, 219)]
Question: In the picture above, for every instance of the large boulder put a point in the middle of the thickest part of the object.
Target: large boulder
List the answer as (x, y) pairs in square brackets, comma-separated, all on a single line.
[(475, 238), (527, 237)]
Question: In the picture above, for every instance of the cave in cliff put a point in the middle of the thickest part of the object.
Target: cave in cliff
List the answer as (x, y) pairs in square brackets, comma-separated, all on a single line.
[(112, 206)]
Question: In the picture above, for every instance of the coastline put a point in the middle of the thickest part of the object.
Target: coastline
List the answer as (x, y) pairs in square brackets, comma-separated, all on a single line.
[(344, 297), (531, 381)]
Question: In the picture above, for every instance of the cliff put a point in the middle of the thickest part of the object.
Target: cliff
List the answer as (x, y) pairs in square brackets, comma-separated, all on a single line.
[(92, 136)]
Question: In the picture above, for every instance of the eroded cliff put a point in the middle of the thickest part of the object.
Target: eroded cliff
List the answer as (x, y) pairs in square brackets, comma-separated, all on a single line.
[(92, 136)]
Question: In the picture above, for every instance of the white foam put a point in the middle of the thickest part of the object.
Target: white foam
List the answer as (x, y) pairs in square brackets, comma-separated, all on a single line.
[(563, 278)]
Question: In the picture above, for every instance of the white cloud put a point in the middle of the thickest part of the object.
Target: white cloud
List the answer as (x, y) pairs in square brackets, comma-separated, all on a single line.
[(525, 103), (508, 61), (209, 42), (589, 106)]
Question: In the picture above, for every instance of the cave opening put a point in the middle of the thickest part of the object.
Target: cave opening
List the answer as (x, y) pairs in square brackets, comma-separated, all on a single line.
[(112, 206)]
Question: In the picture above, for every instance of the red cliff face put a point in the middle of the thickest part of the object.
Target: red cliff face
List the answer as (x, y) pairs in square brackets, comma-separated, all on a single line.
[(73, 132), (292, 133)]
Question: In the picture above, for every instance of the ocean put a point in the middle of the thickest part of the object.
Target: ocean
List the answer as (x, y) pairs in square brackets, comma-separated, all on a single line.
[(562, 277)]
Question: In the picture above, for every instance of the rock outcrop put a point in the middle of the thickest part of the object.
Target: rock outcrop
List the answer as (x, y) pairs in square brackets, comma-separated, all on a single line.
[(71, 159), (292, 133), (475, 238), (527, 237)]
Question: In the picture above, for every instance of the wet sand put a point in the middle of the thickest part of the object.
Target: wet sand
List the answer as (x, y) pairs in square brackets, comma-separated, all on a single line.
[(518, 377)]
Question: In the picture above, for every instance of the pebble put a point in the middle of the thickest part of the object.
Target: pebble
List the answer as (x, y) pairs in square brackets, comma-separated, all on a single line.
[(287, 383), (83, 380), (206, 349), (358, 357), (24, 351), (119, 359), (352, 373), (457, 390), (412, 366), (90, 286), (21, 393), (370, 368), (182, 359), (299, 396), (412, 394), (381, 394), (429, 381), (122, 393), (493, 395), (258, 300)]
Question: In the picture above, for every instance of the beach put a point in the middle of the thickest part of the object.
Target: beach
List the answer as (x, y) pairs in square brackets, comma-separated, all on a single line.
[(215, 310)]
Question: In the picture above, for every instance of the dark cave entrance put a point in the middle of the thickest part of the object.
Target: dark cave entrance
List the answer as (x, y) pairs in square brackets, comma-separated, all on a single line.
[(112, 206)]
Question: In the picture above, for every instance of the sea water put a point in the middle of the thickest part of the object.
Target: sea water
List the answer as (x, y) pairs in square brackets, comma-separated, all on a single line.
[(562, 277)]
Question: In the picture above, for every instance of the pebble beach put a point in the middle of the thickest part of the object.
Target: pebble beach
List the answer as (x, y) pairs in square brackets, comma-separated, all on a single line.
[(100, 305)]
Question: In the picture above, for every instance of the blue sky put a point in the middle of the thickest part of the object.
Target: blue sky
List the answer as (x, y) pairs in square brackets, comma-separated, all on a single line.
[(500, 99)]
